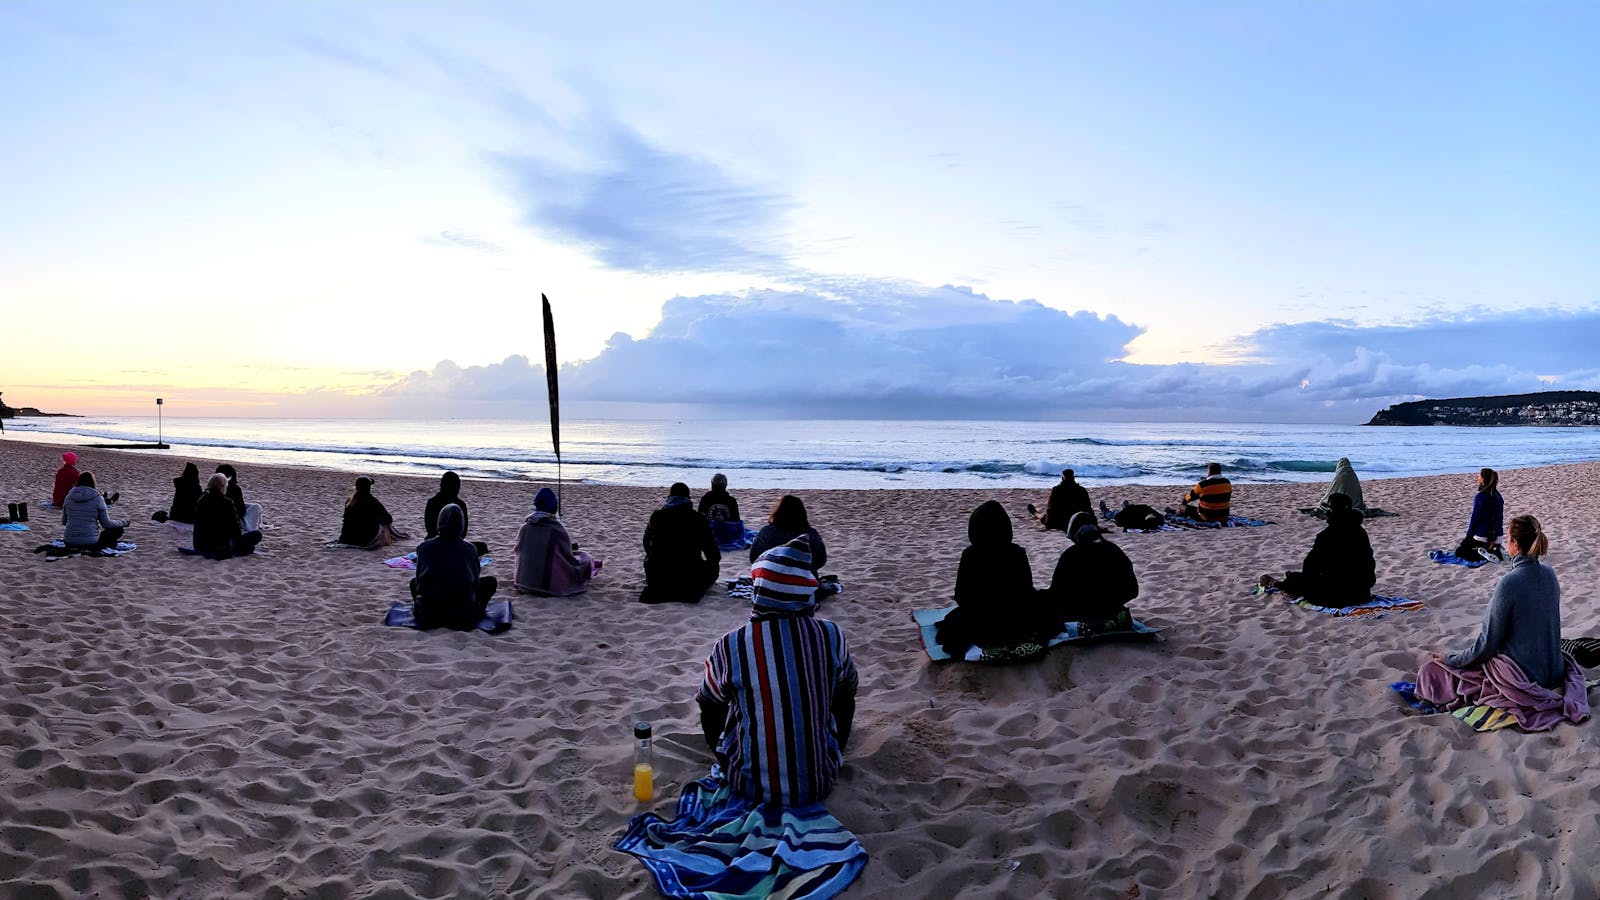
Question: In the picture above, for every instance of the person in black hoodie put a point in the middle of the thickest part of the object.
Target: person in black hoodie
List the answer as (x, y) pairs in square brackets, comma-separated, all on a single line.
[(235, 495), (717, 504), (1093, 581), (217, 534), (185, 494), (448, 590), (996, 605), (1067, 499), (449, 492), (681, 559), (788, 521), (366, 523), (1339, 571)]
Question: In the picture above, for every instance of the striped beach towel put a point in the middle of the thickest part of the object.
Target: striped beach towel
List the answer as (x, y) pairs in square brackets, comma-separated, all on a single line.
[(1233, 522), (1375, 608), (723, 847), (1479, 718), (928, 623)]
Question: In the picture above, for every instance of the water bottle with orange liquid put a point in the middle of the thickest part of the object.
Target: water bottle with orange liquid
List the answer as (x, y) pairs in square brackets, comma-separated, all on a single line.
[(644, 773)]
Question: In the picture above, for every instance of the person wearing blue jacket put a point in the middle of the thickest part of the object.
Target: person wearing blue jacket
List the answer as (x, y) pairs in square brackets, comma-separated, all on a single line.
[(1486, 526)]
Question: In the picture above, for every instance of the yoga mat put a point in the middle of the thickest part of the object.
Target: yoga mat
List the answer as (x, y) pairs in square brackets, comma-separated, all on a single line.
[(496, 616), (928, 620)]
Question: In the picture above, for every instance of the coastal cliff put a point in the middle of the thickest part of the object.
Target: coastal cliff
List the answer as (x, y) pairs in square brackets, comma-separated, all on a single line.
[(1548, 408)]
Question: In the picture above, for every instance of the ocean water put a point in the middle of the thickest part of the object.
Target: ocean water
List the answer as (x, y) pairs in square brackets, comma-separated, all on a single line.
[(837, 454)]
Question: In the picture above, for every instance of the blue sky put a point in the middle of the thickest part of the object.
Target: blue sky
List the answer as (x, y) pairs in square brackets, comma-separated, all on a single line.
[(1223, 210)]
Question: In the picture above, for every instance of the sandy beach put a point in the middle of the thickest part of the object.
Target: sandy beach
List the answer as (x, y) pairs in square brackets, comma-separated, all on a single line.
[(176, 727)]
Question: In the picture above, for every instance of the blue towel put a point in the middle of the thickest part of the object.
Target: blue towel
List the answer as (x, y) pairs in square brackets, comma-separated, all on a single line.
[(1450, 559), (725, 847), (732, 535), (13, 526), (496, 617)]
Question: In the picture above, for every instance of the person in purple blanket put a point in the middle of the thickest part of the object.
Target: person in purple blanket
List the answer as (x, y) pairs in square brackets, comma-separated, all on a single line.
[(547, 561)]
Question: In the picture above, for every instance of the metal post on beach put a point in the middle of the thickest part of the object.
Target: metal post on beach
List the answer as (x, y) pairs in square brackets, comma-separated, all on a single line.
[(160, 444)]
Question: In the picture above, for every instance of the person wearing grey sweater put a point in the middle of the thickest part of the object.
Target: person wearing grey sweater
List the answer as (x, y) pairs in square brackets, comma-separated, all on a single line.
[(1523, 620)]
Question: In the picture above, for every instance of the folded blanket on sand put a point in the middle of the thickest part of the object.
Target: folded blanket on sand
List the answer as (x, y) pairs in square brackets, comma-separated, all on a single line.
[(928, 621), (409, 561), (1321, 512), (1233, 522), (732, 535), (57, 550), (724, 847), (1375, 608), (496, 616), (1481, 718), (1446, 557), (13, 526)]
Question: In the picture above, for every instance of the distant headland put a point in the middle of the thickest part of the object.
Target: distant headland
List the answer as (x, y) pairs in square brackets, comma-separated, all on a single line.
[(1549, 408), (14, 412)]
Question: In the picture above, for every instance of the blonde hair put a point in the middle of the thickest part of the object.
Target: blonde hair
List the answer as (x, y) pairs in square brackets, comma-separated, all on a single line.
[(1529, 535), (218, 483)]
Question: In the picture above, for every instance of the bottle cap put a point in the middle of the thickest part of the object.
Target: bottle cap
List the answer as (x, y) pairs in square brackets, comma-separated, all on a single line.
[(641, 730)]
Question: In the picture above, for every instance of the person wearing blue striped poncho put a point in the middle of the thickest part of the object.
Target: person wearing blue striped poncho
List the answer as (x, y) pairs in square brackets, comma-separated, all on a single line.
[(779, 694)]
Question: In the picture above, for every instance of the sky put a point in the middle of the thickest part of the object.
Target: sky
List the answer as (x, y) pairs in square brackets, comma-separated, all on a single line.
[(1209, 210)]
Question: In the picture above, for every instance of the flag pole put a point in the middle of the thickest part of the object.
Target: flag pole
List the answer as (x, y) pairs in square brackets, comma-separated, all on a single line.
[(554, 390)]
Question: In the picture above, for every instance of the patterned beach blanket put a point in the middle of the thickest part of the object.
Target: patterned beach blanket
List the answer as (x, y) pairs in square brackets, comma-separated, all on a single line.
[(1586, 650), (496, 616), (409, 561), (1180, 522), (1319, 512), (1375, 608), (1480, 718), (928, 623), (722, 847), (57, 550), (1448, 558)]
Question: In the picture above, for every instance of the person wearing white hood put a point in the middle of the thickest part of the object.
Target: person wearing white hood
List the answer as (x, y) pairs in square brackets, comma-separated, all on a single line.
[(88, 521)]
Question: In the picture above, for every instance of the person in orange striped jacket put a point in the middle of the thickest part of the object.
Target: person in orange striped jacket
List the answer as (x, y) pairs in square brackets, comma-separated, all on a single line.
[(1208, 500)]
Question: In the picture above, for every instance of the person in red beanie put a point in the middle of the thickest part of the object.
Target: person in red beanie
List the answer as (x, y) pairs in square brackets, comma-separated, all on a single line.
[(66, 478)]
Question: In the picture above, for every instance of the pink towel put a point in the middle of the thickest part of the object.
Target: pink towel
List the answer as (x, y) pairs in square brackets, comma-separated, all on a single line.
[(1502, 684)]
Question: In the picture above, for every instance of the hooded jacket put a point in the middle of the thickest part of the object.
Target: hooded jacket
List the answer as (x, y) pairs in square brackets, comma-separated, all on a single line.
[(66, 480), (1340, 570), (546, 563), (449, 492), (1093, 581), (1345, 482), (1066, 499), (186, 491), (995, 600), (84, 513), (447, 573), (681, 556)]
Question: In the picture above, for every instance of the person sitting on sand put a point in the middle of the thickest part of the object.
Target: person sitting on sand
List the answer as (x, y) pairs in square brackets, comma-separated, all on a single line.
[(996, 604), (66, 479), (681, 558), (1066, 500), (217, 533), (1344, 482), (366, 523), (780, 747), (1210, 498), (448, 590), (787, 521), (1093, 581), (186, 492), (1485, 528), (449, 492), (1339, 571), (717, 504), (1516, 664), (547, 562), (88, 522)]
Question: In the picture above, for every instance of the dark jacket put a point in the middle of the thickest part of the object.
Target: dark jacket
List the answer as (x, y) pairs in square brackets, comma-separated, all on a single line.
[(719, 506), (216, 528), (430, 512), (996, 604), (186, 492), (1340, 571), (1093, 582), (681, 557), (1066, 499), (773, 536), (446, 590), (1487, 516), (363, 515), (235, 494)]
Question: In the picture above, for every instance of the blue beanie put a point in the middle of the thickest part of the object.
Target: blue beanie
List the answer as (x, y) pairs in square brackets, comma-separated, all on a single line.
[(545, 501)]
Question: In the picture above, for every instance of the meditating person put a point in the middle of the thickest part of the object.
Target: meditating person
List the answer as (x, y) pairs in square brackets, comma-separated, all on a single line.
[(1485, 527), (1516, 664), (1210, 498), (681, 558), (788, 521), (1344, 482), (366, 523), (717, 504), (235, 493), (217, 533), (1066, 500), (448, 590), (1093, 581), (66, 479), (547, 562), (1339, 571), (996, 604), (449, 492), (186, 492), (779, 694), (88, 521)]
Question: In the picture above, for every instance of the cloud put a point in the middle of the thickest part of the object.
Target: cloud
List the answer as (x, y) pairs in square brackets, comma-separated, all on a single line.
[(642, 208), (463, 239)]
